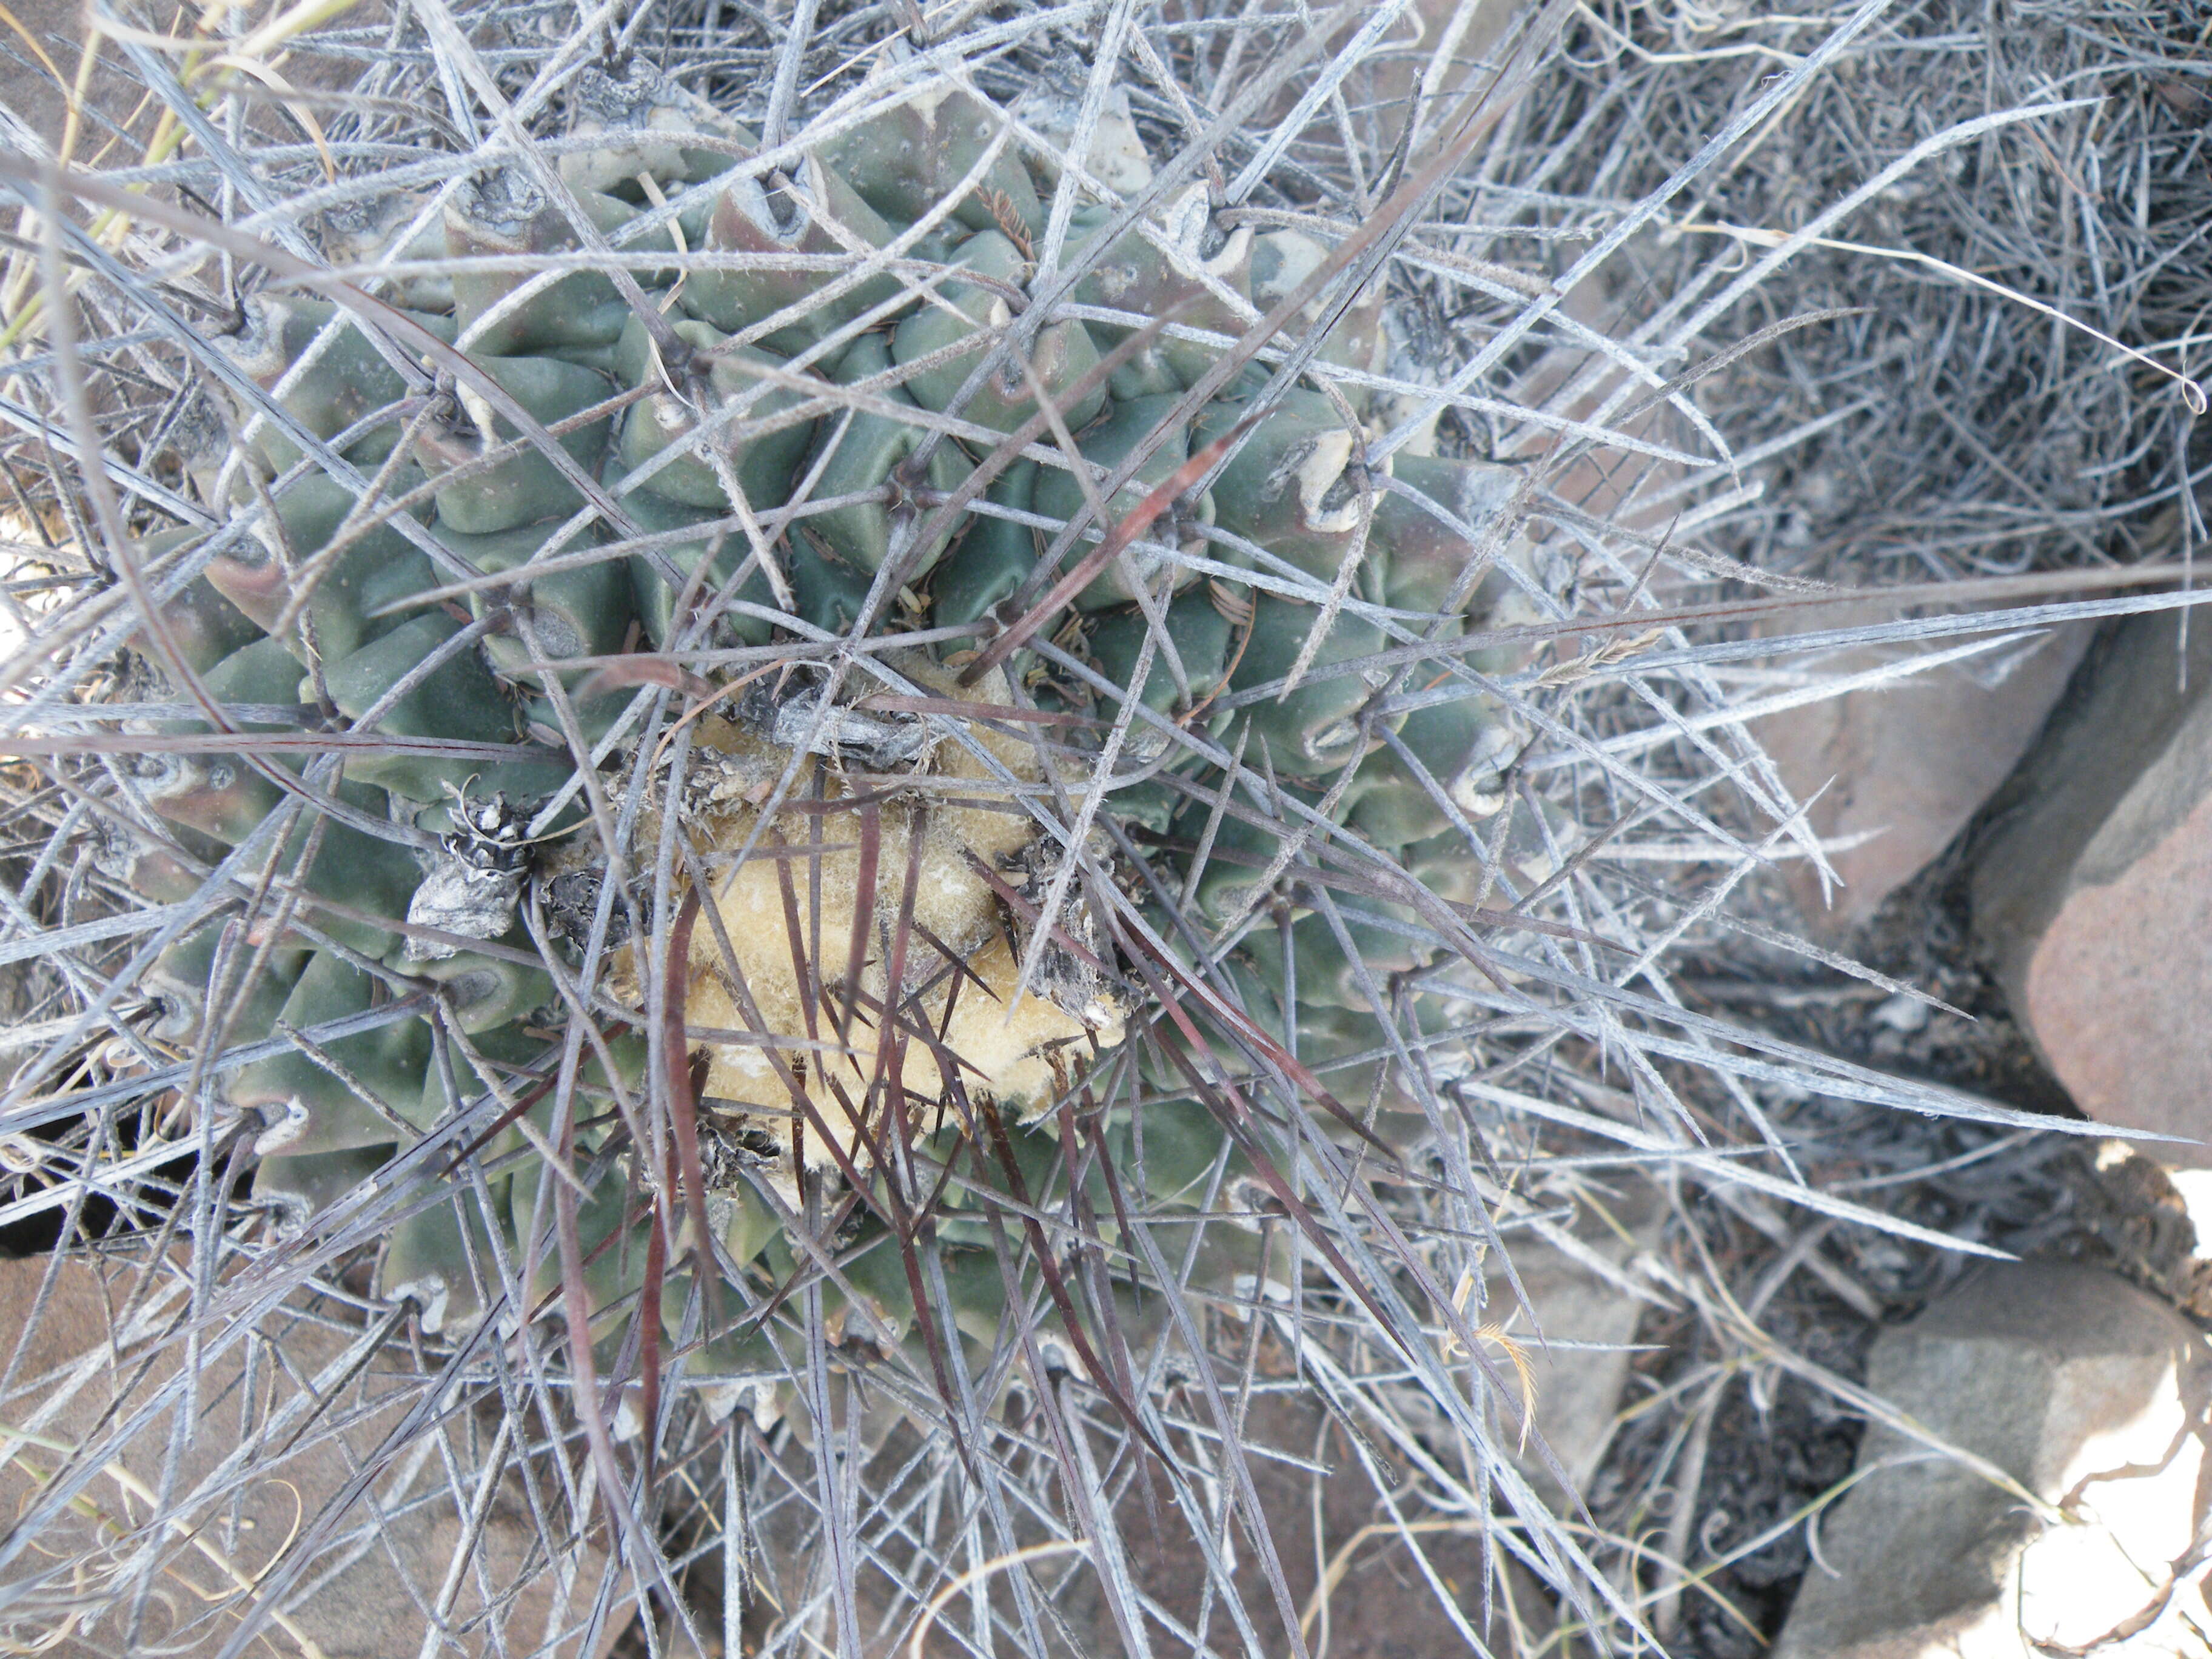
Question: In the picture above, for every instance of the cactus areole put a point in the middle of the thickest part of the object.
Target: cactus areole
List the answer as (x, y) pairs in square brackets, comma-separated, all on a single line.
[(803, 665)]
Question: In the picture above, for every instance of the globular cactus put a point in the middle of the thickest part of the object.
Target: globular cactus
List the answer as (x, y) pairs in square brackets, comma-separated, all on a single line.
[(836, 837), (841, 408)]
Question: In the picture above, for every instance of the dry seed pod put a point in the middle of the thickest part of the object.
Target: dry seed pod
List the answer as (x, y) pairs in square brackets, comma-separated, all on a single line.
[(1018, 1053)]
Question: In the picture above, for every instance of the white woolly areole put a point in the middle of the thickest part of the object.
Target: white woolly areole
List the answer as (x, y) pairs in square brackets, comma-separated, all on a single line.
[(455, 898)]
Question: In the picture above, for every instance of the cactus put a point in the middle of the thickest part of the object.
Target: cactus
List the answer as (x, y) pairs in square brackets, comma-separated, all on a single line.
[(839, 838), (736, 964)]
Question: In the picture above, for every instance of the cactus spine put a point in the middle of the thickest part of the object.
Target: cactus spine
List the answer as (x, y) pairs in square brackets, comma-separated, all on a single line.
[(852, 414)]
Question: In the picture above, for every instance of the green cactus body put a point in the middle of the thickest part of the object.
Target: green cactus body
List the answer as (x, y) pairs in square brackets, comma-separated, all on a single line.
[(444, 920), (1428, 557), (1281, 260), (348, 382), (296, 1188), (332, 1104), (487, 993), (1294, 488), (1355, 1059), (203, 625), (829, 221), (872, 451), (1327, 973), (1059, 356), (654, 596), (1106, 443), (376, 566), (371, 877), (219, 795), (1208, 287), (458, 699), (907, 160), (615, 117), (581, 611), (829, 593), (505, 214), (760, 451), (1202, 642), (429, 1260), (179, 981), (487, 494), (991, 559), (1242, 850), (1315, 727), (1394, 807)]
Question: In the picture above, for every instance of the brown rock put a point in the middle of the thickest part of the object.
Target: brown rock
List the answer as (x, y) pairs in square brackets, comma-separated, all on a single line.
[(1905, 764), (36, 94), (2085, 1391), (1575, 1330), (30, 92), (250, 1478), (1376, 1601), (2092, 899), (1354, 1585), (1464, 34)]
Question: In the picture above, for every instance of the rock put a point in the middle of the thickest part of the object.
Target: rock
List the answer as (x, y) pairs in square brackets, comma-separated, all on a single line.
[(1577, 1345), (1117, 158), (1378, 1603), (2093, 896), (1596, 480), (1467, 35), (31, 94), (2129, 1213), (2089, 1394), (1905, 764), (1470, 35), (33, 105), (2194, 1187), (91, 1359)]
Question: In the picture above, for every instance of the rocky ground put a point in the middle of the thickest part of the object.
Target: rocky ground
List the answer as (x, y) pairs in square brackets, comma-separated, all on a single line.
[(2041, 1368)]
